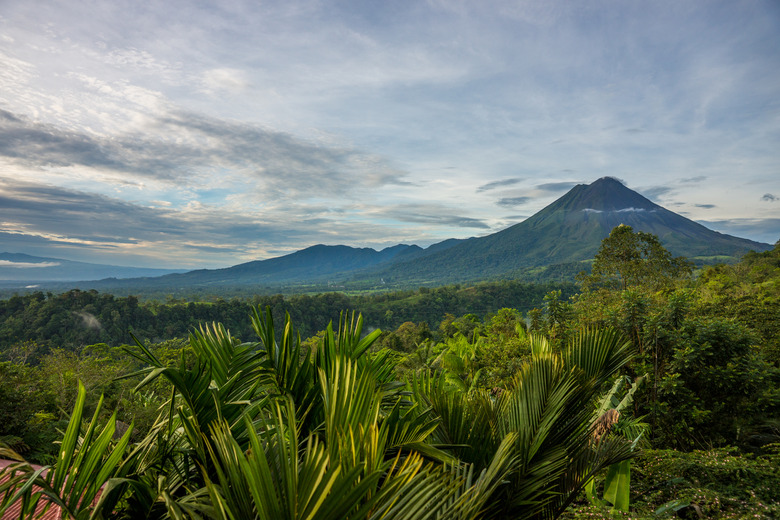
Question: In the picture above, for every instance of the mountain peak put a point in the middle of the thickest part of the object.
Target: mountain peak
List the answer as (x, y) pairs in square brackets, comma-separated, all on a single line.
[(604, 194), (607, 180)]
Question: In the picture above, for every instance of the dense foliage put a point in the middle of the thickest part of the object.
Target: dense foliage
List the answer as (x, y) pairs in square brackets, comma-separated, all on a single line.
[(717, 483), (273, 430), (77, 318)]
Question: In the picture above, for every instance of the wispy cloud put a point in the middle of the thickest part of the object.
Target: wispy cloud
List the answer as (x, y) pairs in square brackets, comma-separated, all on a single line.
[(89, 320), (198, 234), (499, 184), (27, 265), (511, 202), (195, 232), (694, 180), (225, 79), (768, 197), (656, 193), (276, 162), (42, 146), (430, 214), (556, 186), (622, 210)]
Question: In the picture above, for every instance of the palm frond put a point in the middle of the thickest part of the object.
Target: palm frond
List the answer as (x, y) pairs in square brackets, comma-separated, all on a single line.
[(83, 466), (599, 353), (281, 478)]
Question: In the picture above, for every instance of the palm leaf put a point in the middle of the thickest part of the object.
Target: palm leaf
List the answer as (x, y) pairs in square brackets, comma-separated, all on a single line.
[(282, 478), (83, 466)]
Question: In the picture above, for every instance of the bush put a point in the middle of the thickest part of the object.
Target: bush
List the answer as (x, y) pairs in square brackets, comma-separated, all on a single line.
[(718, 484)]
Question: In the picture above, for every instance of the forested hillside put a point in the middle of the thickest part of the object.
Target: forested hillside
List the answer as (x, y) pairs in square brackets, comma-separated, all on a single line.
[(76, 318), (643, 391)]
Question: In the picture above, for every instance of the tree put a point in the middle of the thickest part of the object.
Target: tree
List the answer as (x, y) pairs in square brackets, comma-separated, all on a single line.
[(718, 389), (502, 348), (467, 325), (21, 353), (629, 259), (408, 336)]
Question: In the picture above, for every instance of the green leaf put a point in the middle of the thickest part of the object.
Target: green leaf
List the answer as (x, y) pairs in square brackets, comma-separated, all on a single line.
[(617, 485)]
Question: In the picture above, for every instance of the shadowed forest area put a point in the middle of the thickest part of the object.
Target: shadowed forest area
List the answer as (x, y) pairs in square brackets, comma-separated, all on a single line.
[(643, 391)]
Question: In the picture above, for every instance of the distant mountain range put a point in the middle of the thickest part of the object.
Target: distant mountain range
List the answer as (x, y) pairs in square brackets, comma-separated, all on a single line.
[(16, 267), (568, 232)]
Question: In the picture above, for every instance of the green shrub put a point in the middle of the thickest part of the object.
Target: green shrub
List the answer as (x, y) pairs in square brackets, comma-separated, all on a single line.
[(716, 484)]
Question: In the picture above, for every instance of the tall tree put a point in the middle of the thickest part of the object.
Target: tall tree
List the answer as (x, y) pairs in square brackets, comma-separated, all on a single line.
[(628, 259)]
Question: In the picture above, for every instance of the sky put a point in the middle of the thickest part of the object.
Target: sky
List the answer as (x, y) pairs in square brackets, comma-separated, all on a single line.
[(191, 134)]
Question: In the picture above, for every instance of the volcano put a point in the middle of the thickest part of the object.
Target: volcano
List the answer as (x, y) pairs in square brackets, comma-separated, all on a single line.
[(570, 230)]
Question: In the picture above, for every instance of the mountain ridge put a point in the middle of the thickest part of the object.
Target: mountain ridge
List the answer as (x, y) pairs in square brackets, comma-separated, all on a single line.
[(315, 263)]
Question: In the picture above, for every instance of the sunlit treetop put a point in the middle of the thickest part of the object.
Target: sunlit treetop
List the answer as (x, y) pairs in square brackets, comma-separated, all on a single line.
[(629, 259)]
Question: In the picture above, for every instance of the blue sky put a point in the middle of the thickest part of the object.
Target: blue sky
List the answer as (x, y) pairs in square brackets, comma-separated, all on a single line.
[(191, 134)]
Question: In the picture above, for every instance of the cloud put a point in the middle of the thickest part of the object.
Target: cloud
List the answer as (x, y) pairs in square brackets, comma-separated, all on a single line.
[(288, 164), (693, 180), (89, 320), (45, 145), (655, 192), (25, 265), (89, 227), (510, 202), (499, 184), (431, 214), (766, 230), (768, 197), (187, 147), (225, 79), (556, 186), (105, 225), (622, 210), (705, 206), (31, 206)]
